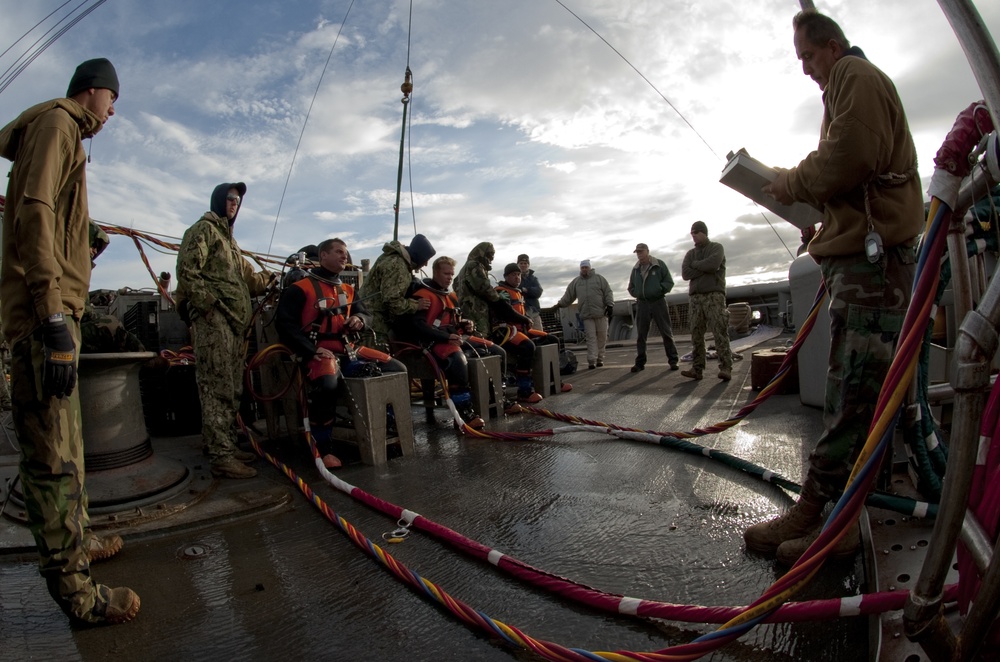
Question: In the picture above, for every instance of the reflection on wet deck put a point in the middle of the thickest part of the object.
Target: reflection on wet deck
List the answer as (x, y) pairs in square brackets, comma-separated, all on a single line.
[(624, 517)]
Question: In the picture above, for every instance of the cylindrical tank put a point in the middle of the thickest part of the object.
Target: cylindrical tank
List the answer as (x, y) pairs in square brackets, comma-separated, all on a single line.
[(804, 279)]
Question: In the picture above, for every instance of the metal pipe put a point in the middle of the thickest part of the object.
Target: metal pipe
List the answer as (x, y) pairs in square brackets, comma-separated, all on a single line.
[(976, 345), (976, 542), (944, 392), (980, 49), (982, 613), (961, 276)]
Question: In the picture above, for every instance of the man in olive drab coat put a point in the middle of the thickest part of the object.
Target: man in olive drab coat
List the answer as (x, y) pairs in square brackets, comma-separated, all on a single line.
[(44, 281), (215, 284), (863, 174)]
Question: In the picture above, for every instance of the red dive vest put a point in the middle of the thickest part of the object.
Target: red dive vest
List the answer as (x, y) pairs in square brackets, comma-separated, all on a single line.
[(443, 315), (329, 328)]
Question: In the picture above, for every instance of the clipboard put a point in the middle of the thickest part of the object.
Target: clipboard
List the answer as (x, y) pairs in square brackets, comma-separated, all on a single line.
[(747, 175)]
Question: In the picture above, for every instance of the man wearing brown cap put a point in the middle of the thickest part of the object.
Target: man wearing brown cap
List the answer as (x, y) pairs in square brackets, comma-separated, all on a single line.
[(705, 268), (43, 285), (649, 283)]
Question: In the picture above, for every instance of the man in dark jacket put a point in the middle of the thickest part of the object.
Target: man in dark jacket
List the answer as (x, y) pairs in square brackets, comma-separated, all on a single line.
[(649, 283), (705, 267), (43, 286), (531, 289)]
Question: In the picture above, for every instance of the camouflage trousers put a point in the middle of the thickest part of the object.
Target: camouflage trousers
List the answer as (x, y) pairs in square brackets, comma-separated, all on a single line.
[(867, 305), (50, 434), (219, 373), (708, 312)]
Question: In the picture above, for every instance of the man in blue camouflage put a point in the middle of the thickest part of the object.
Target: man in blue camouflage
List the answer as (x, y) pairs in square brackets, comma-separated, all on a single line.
[(215, 284)]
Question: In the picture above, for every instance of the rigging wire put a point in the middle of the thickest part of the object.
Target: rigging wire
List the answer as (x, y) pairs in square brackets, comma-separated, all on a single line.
[(29, 31), (305, 122), (668, 102), (18, 66), (642, 76)]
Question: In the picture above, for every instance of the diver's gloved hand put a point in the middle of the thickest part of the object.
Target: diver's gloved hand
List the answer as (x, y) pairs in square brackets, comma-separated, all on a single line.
[(59, 374)]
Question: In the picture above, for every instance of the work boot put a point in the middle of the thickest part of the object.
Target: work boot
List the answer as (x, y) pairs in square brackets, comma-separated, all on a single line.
[(725, 374), (800, 519), (790, 550), (230, 467), (112, 606), (472, 419), (244, 456), (511, 407), (531, 397), (691, 374), (637, 367), (100, 548), (674, 366)]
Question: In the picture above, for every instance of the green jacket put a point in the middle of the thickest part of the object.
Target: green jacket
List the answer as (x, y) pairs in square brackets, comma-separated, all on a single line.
[(212, 272), (46, 247), (385, 286), (474, 289), (652, 285)]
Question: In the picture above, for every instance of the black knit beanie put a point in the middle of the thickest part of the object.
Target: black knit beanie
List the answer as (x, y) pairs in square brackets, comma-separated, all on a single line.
[(98, 73)]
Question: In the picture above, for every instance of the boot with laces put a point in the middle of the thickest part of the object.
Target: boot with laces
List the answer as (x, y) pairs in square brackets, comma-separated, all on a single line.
[(230, 467), (789, 551), (100, 548), (800, 519), (112, 606)]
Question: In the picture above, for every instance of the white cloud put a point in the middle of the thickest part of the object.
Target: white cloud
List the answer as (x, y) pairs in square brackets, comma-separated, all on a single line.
[(524, 128)]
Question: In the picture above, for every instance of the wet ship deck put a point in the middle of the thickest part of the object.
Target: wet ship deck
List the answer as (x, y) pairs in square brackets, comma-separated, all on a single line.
[(251, 570)]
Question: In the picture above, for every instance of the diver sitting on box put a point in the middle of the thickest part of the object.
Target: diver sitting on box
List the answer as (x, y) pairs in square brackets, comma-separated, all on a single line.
[(316, 316)]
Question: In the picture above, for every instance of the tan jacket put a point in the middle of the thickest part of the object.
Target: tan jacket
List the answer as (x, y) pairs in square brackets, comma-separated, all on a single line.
[(864, 135), (46, 246)]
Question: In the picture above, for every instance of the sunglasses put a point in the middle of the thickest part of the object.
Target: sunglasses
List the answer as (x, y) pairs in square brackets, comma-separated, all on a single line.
[(233, 198)]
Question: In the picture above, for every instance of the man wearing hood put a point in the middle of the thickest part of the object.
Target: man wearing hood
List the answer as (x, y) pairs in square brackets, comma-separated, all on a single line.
[(214, 286), (385, 287), (43, 285)]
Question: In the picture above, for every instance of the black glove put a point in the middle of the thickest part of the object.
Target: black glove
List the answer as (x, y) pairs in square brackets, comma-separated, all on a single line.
[(59, 376), (610, 312)]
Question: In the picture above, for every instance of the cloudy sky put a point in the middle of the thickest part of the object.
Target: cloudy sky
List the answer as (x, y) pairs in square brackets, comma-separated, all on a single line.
[(526, 129)]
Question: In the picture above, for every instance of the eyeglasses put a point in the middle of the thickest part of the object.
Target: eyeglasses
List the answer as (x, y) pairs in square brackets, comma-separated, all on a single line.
[(233, 198)]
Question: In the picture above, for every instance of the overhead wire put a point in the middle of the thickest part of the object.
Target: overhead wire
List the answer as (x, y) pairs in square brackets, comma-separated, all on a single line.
[(669, 103), (8, 77), (305, 123)]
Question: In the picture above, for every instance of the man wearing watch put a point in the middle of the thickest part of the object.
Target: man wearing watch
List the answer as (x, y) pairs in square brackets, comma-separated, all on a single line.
[(43, 285)]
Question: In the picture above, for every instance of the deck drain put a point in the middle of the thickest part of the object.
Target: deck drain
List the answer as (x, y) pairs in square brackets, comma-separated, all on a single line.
[(192, 552)]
